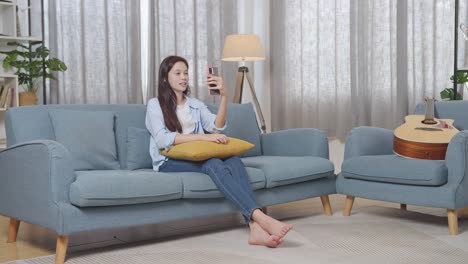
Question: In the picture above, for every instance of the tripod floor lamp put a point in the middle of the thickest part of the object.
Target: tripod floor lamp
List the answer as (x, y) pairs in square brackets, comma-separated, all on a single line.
[(244, 47)]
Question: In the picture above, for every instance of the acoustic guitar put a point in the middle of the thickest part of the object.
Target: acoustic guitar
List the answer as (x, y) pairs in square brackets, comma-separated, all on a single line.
[(423, 136)]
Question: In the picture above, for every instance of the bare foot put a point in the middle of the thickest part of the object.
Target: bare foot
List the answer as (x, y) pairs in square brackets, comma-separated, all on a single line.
[(271, 225), (260, 237)]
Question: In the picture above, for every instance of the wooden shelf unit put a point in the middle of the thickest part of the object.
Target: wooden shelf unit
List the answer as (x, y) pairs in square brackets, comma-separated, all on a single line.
[(12, 14), (9, 81)]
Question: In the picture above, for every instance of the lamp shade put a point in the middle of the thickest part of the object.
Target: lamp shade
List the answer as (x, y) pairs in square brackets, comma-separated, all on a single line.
[(243, 47)]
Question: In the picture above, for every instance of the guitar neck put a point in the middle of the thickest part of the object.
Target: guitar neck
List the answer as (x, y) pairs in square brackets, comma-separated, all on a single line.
[(429, 109)]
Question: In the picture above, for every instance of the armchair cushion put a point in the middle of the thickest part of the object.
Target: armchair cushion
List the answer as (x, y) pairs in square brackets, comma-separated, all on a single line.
[(395, 169), (89, 136)]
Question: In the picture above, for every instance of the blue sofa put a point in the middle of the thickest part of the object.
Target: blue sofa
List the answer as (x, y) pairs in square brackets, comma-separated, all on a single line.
[(371, 170), (75, 168)]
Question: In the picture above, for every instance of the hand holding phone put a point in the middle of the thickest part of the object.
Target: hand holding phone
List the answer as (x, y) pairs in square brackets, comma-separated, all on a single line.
[(213, 70)]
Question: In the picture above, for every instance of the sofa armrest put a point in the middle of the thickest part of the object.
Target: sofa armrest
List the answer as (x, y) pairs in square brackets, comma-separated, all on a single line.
[(35, 180), (456, 160), (363, 141), (295, 142)]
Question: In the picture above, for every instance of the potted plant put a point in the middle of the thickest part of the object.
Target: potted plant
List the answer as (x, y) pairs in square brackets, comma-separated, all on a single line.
[(31, 66), (462, 79)]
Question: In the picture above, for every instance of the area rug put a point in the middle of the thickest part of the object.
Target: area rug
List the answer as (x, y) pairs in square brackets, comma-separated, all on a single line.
[(370, 235)]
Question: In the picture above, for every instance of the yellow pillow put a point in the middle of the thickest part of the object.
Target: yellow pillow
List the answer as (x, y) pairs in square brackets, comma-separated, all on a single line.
[(203, 150)]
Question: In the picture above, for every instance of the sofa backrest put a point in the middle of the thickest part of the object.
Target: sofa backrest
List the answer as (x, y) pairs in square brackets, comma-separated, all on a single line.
[(456, 110), (33, 122), (242, 123)]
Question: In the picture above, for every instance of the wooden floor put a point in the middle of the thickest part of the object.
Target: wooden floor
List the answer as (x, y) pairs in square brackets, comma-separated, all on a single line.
[(34, 241)]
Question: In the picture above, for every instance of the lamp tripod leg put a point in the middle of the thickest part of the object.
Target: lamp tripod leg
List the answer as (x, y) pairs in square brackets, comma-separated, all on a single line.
[(257, 104), (239, 87)]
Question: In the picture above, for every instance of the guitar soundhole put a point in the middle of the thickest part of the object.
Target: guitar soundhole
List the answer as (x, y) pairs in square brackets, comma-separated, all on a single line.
[(429, 122)]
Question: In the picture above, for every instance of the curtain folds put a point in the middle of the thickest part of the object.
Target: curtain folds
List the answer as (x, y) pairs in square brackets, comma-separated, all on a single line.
[(332, 65), (194, 30), (100, 43), (340, 64)]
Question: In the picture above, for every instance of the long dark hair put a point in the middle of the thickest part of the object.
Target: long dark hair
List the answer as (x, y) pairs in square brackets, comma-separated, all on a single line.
[(166, 96)]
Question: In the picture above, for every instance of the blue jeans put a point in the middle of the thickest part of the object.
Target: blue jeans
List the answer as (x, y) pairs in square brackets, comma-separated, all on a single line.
[(228, 175)]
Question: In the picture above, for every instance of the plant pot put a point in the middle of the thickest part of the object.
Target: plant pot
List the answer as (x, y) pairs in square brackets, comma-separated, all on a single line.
[(463, 93), (27, 98), (460, 89)]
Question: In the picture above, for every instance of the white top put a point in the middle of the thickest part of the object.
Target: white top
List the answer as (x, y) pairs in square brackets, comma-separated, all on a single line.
[(185, 118), (163, 138)]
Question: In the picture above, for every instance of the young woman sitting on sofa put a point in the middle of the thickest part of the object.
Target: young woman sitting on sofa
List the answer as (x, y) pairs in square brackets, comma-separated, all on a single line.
[(169, 119)]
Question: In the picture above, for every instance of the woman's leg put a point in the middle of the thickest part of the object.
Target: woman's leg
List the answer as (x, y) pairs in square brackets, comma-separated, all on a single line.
[(229, 183), (271, 225), (237, 168), (231, 186), (258, 236), (232, 182), (231, 179), (172, 165)]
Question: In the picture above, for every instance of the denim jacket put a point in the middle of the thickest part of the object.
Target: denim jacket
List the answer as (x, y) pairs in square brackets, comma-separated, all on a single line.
[(163, 138)]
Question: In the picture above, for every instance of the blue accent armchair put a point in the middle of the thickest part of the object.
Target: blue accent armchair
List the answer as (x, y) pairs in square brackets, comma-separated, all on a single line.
[(371, 170)]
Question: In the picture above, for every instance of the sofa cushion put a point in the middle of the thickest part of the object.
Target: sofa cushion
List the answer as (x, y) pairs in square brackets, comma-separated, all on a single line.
[(282, 170), (242, 124), (395, 169), (138, 156), (199, 185), (89, 136), (119, 187), (204, 150)]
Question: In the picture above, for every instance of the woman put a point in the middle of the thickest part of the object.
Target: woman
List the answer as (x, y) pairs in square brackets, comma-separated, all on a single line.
[(174, 118)]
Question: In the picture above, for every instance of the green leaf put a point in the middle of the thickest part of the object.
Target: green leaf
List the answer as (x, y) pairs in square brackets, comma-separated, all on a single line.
[(32, 65), (462, 77), (447, 94)]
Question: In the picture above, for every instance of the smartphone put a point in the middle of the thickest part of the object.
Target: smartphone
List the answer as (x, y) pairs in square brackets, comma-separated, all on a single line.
[(213, 70)]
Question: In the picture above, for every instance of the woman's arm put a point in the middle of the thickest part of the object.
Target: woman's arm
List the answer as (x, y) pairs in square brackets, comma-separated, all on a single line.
[(221, 116), (155, 124), (164, 138), (183, 138)]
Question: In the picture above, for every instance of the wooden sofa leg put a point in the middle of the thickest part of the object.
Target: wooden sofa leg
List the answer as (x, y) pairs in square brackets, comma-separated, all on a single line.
[(348, 205), (452, 221), (326, 205), (61, 250), (403, 207), (13, 230)]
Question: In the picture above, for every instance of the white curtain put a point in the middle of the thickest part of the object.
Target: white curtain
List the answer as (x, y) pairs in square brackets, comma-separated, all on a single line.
[(310, 64), (195, 30), (332, 65), (340, 64), (100, 43)]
